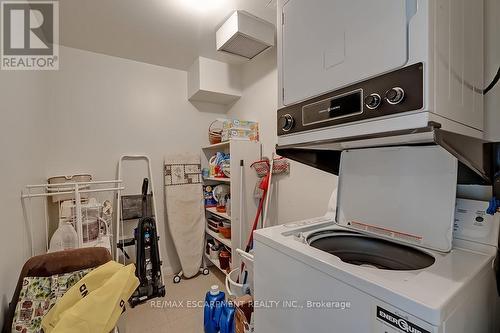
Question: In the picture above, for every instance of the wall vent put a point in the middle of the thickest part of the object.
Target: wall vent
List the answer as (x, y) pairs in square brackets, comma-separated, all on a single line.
[(245, 35)]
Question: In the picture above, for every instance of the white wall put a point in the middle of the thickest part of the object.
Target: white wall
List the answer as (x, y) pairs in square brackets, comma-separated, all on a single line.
[(306, 191), (22, 151), (102, 107), (97, 107)]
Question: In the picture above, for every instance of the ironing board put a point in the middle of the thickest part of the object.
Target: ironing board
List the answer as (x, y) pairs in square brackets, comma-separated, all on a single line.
[(185, 211)]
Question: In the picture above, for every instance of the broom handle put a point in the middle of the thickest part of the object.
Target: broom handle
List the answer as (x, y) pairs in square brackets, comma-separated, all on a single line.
[(242, 223), (254, 227)]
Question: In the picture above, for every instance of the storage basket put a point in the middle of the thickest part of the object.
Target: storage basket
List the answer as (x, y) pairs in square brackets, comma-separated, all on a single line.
[(225, 232), (215, 132), (60, 180), (232, 286), (248, 261)]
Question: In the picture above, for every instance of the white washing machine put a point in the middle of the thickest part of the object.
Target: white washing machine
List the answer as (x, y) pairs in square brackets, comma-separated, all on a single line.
[(411, 259)]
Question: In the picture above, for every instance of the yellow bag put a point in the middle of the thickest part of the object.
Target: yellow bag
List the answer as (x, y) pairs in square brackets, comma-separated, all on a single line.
[(87, 284), (94, 307)]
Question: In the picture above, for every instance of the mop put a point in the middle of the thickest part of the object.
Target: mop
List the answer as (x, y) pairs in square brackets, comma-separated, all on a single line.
[(265, 171), (264, 186)]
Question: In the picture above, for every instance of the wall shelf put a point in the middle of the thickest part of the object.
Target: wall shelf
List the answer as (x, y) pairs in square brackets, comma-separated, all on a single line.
[(216, 263), (217, 179), (221, 145), (213, 81), (214, 211), (239, 150), (219, 237)]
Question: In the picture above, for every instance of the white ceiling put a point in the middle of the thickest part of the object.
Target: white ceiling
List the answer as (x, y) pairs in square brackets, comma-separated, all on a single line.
[(169, 33)]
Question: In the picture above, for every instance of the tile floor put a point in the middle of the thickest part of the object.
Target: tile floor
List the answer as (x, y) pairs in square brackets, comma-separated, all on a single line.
[(173, 313)]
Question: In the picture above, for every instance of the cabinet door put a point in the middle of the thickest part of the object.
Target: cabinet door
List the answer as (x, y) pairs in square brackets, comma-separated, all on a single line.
[(328, 44)]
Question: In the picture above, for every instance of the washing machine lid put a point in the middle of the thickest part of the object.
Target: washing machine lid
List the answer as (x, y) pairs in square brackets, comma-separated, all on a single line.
[(405, 194)]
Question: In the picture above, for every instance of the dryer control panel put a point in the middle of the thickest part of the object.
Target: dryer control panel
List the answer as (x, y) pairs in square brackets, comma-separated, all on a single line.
[(391, 93)]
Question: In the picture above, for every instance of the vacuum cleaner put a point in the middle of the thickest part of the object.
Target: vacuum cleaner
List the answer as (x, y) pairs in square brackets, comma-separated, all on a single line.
[(148, 262)]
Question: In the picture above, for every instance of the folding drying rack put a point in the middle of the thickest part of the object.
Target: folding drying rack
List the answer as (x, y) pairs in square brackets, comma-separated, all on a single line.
[(75, 190)]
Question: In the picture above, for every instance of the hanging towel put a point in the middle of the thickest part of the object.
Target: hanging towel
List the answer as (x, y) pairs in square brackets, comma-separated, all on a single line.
[(95, 303), (185, 210)]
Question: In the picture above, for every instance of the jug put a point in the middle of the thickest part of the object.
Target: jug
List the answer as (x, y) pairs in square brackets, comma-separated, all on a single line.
[(212, 309)]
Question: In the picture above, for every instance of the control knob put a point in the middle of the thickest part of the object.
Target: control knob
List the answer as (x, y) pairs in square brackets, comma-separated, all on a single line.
[(395, 95), (286, 122), (373, 101)]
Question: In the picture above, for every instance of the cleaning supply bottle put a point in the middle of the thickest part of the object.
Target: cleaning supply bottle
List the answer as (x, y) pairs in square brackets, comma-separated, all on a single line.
[(64, 238), (212, 311), (226, 321)]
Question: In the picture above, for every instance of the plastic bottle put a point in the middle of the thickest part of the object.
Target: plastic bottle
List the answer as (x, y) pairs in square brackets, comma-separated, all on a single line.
[(212, 311), (226, 321), (64, 238)]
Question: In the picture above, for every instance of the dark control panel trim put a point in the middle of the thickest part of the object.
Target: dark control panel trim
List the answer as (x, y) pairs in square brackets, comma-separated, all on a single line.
[(410, 79), (333, 108)]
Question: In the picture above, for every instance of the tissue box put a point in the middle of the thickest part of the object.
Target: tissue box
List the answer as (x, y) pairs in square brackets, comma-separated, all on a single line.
[(234, 129)]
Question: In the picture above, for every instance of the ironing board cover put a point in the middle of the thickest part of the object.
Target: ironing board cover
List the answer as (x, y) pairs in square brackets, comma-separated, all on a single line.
[(185, 212)]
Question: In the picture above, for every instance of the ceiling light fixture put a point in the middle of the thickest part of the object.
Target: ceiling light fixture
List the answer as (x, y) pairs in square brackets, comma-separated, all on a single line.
[(203, 5)]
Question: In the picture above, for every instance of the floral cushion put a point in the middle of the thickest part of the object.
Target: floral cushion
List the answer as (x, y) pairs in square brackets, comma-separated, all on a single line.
[(38, 295)]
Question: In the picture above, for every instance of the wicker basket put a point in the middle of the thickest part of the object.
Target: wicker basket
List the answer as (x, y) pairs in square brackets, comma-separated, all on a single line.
[(68, 179), (215, 133)]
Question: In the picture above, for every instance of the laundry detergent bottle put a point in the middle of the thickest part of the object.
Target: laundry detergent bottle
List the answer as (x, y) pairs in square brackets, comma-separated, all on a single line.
[(213, 309), (226, 321)]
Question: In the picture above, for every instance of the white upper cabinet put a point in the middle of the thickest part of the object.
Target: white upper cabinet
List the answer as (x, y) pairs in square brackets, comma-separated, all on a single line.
[(324, 48)]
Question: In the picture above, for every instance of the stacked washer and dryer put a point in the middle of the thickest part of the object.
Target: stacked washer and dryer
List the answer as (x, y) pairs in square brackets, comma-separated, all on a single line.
[(388, 95)]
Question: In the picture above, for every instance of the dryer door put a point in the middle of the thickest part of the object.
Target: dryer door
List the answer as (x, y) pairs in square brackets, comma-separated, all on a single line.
[(328, 44)]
